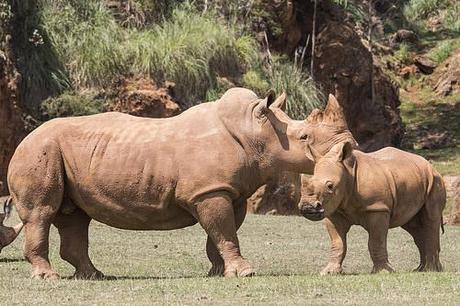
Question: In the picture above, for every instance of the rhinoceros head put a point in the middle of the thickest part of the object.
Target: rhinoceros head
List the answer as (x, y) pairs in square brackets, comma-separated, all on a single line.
[(274, 140), (330, 183), (8, 234), (324, 129)]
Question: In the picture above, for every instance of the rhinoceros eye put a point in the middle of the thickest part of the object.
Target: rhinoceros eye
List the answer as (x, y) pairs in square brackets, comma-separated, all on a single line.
[(330, 186)]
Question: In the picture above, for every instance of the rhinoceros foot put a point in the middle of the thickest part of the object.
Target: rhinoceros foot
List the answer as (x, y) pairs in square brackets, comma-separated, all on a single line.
[(240, 268), (45, 274), (216, 270), (383, 267), (332, 269), (89, 275)]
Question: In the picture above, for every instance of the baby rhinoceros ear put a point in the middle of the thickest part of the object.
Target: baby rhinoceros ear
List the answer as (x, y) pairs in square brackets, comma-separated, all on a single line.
[(342, 151)]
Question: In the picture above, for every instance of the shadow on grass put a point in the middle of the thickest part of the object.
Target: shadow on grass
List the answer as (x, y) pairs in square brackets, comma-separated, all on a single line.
[(145, 277), (12, 260)]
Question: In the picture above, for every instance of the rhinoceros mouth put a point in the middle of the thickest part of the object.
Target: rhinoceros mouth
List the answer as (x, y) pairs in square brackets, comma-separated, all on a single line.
[(314, 216), (313, 213)]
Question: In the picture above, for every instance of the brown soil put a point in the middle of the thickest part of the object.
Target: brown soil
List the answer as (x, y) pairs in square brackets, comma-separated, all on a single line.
[(142, 97)]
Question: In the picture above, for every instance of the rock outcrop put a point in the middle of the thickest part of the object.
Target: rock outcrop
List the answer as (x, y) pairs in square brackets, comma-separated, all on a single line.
[(11, 124), (142, 97)]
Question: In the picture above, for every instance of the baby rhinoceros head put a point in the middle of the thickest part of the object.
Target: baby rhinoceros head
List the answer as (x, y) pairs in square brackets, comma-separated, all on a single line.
[(331, 182)]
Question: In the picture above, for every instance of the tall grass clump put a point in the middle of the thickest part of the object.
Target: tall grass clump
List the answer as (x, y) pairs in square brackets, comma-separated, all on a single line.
[(442, 51), (42, 72), (87, 39), (191, 50), (416, 10), (303, 96)]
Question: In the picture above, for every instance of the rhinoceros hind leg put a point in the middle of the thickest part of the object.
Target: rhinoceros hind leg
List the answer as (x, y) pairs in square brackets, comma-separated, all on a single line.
[(414, 228), (73, 231), (36, 250), (216, 215)]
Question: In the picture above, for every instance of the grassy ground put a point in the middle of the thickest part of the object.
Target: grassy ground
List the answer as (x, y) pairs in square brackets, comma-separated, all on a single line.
[(287, 252)]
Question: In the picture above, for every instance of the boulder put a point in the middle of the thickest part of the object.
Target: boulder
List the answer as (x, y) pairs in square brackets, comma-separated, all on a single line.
[(454, 216), (425, 65), (447, 77), (344, 67)]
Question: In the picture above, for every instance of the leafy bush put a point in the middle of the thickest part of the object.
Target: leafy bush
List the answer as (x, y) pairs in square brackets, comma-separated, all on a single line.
[(442, 51), (404, 54), (189, 49), (303, 96), (86, 38), (70, 104), (416, 10)]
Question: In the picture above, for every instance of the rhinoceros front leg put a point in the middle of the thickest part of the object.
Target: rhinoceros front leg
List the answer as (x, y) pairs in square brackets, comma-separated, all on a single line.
[(217, 262), (216, 215), (377, 226), (337, 227)]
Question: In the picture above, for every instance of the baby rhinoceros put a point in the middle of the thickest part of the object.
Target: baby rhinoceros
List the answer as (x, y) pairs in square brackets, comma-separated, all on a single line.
[(380, 190)]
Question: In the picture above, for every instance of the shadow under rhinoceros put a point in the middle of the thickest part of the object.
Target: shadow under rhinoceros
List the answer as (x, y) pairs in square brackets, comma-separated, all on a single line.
[(7, 260)]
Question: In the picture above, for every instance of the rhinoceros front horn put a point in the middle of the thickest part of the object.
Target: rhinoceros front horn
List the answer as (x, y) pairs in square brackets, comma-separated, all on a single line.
[(8, 234), (333, 113)]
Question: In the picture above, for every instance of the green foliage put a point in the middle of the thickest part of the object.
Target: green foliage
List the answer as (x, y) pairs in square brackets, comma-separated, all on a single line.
[(189, 49), (303, 95), (5, 18), (256, 81), (71, 104), (87, 39), (442, 51), (404, 54), (416, 10), (353, 7), (36, 58), (451, 19)]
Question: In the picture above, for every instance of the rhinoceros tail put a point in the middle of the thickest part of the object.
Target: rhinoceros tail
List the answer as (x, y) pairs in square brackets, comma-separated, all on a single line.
[(7, 207)]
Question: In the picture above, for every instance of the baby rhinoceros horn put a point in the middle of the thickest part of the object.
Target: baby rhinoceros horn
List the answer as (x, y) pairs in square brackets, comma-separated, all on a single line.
[(8, 234)]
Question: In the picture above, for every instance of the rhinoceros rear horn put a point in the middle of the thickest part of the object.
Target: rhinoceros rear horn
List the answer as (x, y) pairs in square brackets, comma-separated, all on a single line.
[(333, 113)]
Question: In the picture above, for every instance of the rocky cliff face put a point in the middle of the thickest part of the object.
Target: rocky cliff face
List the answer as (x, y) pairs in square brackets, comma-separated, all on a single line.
[(344, 67), (11, 125)]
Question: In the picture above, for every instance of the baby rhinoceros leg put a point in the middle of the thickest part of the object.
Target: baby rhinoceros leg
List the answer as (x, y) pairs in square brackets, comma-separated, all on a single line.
[(216, 215), (378, 224), (337, 227)]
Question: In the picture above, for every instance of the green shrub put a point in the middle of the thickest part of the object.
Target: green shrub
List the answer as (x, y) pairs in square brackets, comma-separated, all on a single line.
[(451, 19), (86, 38), (303, 96), (70, 104), (416, 10), (442, 51), (404, 53), (190, 49)]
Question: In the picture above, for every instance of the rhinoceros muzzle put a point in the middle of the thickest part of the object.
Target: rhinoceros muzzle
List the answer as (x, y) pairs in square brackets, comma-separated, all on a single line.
[(313, 212)]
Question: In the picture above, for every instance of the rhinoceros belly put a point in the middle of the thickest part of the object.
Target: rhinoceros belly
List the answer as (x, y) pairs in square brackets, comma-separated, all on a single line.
[(125, 183)]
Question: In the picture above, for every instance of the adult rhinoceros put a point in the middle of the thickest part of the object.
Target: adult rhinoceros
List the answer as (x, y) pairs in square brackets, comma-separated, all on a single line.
[(156, 174)]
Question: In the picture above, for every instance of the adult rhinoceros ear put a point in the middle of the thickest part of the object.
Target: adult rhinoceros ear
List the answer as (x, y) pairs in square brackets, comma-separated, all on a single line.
[(280, 102), (262, 108), (333, 113)]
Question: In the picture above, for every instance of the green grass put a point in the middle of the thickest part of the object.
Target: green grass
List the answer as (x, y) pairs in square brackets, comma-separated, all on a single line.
[(287, 253), (434, 114), (443, 50)]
